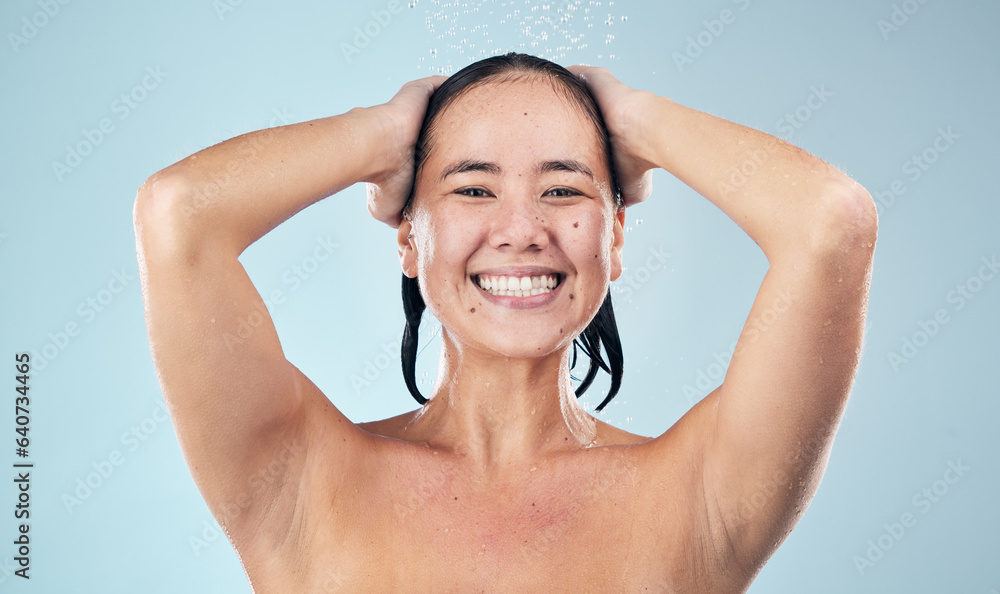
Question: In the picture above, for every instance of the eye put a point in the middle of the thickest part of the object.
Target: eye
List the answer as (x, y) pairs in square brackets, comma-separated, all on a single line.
[(473, 192), (562, 193)]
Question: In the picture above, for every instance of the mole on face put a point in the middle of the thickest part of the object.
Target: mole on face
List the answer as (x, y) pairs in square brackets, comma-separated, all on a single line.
[(576, 224), (570, 295), (473, 310)]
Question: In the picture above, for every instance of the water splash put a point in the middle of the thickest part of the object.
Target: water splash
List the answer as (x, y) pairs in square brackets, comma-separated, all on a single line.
[(558, 30)]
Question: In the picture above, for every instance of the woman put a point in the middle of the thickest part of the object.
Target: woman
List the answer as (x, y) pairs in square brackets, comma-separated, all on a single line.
[(501, 482)]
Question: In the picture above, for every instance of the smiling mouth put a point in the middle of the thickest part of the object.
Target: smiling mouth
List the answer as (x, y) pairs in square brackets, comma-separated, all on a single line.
[(518, 286)]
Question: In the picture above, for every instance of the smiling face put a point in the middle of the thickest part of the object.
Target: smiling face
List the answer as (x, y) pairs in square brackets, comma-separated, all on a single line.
[(516, 235)]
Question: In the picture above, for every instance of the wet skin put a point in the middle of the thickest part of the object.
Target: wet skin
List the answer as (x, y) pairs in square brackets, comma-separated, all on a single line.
[(502, 482)]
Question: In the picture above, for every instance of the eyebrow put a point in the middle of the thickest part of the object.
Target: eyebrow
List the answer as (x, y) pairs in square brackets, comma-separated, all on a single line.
[(468, 165)]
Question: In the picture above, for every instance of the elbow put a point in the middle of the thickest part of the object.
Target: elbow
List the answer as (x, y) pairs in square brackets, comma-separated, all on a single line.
[(158, 199), (846, 221), (162, 215)]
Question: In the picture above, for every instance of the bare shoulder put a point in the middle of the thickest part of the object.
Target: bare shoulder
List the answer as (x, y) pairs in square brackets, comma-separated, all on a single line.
[(392, 426), (609, 435)]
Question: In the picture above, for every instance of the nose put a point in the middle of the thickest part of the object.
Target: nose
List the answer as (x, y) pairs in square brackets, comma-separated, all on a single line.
[(519, 225)]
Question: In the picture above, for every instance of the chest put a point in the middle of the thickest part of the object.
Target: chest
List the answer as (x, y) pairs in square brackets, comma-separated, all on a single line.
[(426, 526)]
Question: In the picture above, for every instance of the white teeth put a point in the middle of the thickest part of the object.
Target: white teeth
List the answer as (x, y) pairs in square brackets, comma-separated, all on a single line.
[(524, 286)]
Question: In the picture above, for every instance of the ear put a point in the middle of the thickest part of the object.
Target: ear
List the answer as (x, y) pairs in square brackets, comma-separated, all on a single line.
[(617, 244), (407, 248)]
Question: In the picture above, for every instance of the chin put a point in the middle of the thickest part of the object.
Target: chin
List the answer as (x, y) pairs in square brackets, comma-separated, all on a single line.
[(516, 346)]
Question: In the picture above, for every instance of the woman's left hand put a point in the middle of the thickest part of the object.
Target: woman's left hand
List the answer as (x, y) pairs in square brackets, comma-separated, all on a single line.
[(623, 108)]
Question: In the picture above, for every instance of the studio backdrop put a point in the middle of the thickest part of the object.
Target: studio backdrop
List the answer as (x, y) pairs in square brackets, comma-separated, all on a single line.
[(899, 94)]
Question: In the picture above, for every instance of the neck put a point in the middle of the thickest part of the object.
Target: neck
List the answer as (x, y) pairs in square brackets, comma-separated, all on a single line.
[(500, 413)]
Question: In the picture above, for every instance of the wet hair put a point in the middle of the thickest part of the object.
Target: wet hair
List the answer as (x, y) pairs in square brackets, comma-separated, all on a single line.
[(602, 329)]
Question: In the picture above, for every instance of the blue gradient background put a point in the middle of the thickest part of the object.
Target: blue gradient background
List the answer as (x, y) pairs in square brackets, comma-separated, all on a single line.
[(269, 63)]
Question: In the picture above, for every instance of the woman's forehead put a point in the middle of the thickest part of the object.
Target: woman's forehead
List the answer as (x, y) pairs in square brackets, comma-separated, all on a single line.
[(515, 120)]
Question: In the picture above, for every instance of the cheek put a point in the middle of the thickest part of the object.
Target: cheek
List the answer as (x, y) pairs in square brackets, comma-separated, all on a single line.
[(590, 241), (444, 248)]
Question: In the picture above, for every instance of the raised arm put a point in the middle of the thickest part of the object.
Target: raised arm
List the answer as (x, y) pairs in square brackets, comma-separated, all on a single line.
[(246, 418), (769, 427)]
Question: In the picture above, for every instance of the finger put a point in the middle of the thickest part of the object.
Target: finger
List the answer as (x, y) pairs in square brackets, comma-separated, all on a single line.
[(589, 74), (377, 207), (639, 189), (421, 88)]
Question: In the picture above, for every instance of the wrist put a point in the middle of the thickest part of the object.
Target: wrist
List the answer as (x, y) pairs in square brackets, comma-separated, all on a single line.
[(650, 129), (368, 131), (386, 142)]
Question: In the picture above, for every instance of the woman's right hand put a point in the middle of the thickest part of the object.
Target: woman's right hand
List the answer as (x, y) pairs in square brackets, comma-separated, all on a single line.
[(400, 120)]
